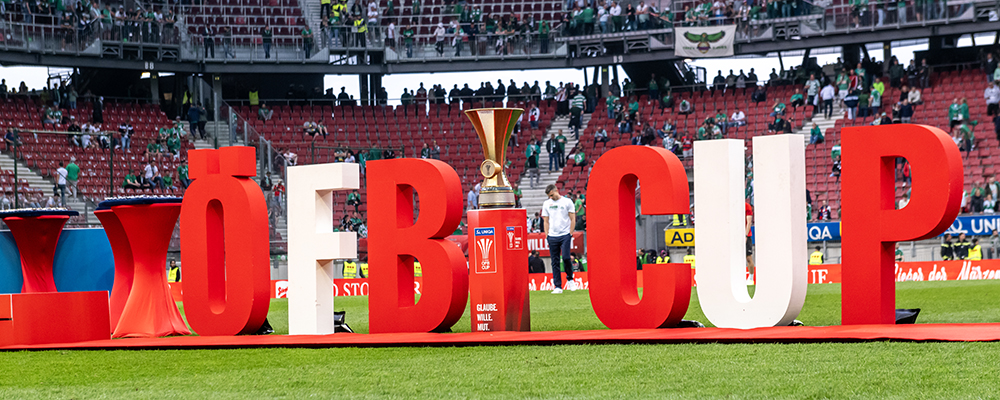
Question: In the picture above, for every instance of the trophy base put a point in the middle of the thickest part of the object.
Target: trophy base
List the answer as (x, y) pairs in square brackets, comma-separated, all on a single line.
[(496, 197)]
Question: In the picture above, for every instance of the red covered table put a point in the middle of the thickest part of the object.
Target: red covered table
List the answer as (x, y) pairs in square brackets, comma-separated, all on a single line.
[(36, 233), (139, 229)]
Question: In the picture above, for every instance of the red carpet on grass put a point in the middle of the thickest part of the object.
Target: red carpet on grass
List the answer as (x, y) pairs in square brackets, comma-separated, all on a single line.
[(801, 334)]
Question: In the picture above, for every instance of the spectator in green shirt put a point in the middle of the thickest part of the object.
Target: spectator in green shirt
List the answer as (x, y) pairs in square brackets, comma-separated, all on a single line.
[(610, 103), (168, 182), (954, 113), (131, 182), (354, 199), (704, 131), (154, 148), (267, 38), (863, 98), (543, 37), (580, 159), (408, 35), (816, 135), (779, 109), (797, 99), (307, 41), (654, 88), (72, 175), (174, 145), (182, 175)]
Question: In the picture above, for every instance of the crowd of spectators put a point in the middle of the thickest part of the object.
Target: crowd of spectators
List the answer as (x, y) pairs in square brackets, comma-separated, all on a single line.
[(482, 33), (79, 21), (560, 95), (57, 103)]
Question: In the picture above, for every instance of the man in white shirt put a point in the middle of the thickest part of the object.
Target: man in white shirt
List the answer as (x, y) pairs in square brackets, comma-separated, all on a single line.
[(148, 173), (827, 95), (390, 36), (61, 175), (642, 14), (559, 218), (372, 13), (992, 96), (812, 89), (616, 19), (602, 17), (738, 118), (51, 202)]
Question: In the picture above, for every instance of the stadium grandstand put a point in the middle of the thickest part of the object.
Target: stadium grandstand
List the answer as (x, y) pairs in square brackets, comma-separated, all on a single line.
[(152, 80)]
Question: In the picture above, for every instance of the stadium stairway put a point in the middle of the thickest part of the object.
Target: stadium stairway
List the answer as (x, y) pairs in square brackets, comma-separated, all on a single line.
[(825, 125), (36, 181), (532, 199), (281, 225)]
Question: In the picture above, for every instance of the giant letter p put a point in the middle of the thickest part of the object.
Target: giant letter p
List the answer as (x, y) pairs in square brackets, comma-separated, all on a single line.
[(871, 223)]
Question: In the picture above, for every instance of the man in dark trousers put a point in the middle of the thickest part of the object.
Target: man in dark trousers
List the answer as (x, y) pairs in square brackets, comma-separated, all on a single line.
[(559, 218)]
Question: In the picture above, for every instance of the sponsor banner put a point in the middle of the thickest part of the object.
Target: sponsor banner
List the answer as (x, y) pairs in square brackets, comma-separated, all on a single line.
[(827, 273), (816, 232), (538, 241), (919, 271), (535, 241), (682, 237), (715, 41), (823, 231), (975, 225)]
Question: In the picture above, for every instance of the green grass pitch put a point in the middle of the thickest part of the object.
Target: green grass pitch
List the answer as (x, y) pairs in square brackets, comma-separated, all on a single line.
[(794, 371)]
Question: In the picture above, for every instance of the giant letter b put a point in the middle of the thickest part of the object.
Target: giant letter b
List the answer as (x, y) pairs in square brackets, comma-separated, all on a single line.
[(871, 223), (395, 239)]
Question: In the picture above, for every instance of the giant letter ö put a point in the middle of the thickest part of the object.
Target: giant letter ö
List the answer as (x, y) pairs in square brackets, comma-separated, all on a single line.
[(224, 244)]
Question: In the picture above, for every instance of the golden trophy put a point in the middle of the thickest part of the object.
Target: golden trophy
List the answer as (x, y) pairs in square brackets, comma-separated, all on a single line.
[(494, 127)]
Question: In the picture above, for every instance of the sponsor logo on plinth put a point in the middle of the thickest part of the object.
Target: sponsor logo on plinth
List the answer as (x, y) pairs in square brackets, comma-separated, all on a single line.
[(486, 250)]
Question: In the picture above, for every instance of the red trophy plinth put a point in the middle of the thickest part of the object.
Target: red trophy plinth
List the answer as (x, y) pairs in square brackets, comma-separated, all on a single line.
[(36, 233), (498, 270)]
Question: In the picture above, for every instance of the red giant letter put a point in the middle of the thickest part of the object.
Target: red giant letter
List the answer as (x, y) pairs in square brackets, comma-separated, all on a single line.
[(871, 223), (614, 292), (224, 244), (395, 239)]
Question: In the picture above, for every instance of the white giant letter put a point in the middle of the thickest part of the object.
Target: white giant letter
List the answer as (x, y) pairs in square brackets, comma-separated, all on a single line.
[(313, 245), (780, 231)]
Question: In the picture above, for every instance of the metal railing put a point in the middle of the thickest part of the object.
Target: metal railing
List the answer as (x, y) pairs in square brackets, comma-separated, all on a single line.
[(359, 153), (47, 38), (808, 20), (245, 48), (269, 159), (342, 44)]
